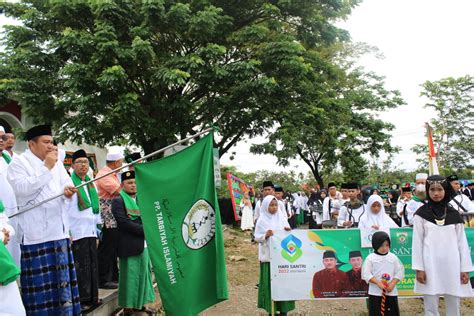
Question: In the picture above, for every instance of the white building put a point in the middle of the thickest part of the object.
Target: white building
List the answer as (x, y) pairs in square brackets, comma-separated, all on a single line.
[(11, 117)]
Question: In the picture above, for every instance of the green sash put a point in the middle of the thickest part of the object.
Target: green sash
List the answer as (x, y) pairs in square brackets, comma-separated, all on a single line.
[(2, 207), (417, 199), (83, 201), (10, 271), (132, 207), (6, 156)]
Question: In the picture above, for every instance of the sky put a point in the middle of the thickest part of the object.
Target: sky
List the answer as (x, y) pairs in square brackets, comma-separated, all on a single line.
[(421, 40)]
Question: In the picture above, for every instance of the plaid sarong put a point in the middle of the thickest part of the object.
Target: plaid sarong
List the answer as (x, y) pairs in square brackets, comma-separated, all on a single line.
[(48, 279)]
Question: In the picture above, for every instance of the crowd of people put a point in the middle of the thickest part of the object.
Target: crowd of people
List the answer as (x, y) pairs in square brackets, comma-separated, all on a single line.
[(350, 206), (56, 253), (437, 208), (51, 259)]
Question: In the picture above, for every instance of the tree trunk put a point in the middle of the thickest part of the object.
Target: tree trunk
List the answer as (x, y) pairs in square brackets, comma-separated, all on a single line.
[(317, 176)]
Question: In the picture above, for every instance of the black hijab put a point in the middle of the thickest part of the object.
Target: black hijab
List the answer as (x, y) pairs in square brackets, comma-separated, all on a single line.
[(320, 198), (378, 239), (437, 210)]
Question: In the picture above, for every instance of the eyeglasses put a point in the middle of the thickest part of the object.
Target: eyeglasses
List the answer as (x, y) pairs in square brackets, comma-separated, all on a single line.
[(4, 137)]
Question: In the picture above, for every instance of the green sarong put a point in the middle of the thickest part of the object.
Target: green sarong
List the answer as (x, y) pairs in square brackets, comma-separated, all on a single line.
[(135, 283), (300, 217), (264, 293)]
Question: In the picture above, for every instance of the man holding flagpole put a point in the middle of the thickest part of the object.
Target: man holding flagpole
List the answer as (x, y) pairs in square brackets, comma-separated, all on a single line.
[(48, 276), (84, 215)]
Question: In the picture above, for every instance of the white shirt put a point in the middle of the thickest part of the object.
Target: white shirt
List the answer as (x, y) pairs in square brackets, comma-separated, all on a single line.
[(411, 209), (83, 223), (400, 206), (282, 208), (464, 201), (330, 206), (443, 253), (256, 211), (32, 183), (376, 265), (353, 215)]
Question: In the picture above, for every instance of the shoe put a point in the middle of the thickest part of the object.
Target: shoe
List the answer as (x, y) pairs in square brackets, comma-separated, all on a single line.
[(89, 307), (149, 310), (128, 311), (109, 286)]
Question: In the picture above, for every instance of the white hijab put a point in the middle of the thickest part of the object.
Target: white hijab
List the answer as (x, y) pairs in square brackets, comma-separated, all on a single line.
[(267, 220), (381, 219)]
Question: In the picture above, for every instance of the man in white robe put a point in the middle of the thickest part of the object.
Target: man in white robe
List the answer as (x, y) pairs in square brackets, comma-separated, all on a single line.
[(418, 198), (7, 196), (351, 212), (402, 202), (268, 188), (35, 176), (279, 193), (460, 202), (332, 203)]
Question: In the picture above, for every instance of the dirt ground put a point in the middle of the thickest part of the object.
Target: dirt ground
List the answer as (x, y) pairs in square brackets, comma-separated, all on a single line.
[(243, 277)]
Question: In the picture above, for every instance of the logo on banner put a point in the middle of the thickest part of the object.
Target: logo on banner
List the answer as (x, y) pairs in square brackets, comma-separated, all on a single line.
[(402, 237), (199, 225), (291, 248)]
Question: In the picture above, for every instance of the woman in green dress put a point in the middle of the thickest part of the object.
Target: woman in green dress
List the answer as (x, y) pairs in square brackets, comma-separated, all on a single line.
[(270, 220)]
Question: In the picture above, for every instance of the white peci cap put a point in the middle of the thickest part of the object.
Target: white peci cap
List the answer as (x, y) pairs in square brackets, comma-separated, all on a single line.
[(421, 176), (114, 156)]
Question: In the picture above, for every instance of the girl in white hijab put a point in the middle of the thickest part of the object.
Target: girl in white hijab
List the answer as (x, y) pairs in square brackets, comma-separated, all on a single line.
[(270, 220), (376, 217)]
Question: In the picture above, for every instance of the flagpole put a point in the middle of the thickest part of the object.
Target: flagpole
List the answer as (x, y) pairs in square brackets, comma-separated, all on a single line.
[(115, 170)]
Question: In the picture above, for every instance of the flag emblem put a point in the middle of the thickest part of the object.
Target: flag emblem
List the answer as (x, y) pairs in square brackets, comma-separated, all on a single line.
[(199, 225)]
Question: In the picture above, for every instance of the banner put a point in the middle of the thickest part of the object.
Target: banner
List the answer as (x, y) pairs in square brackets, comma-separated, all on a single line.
[(182, 224), (237, 188), (298, 272)]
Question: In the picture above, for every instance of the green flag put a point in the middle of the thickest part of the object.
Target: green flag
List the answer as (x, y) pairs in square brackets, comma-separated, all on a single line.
[(182, 224)]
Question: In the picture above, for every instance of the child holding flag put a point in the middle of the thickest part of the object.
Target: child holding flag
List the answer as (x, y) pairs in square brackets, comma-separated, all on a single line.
[(382, 270), (270, 219)]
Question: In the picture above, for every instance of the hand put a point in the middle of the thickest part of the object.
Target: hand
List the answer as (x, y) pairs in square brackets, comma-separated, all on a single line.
[(287, 229), (421, 277), (375, 227), (389, 288), (380, 285), (464, 277), (50, 160), (269, 233), (69, 191), (347, 223), (6, 237)]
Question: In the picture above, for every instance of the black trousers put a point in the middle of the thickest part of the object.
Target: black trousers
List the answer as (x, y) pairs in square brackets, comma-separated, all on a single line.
[(107, 255), (85, 259), (391, 305)]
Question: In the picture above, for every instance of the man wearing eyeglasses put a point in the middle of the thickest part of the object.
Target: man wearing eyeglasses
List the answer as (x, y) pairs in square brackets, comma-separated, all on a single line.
[(84, 215)]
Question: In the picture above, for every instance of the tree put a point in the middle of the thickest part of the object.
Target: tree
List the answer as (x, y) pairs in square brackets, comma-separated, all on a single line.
[(336, 123), (452, 99), (148, 73)]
